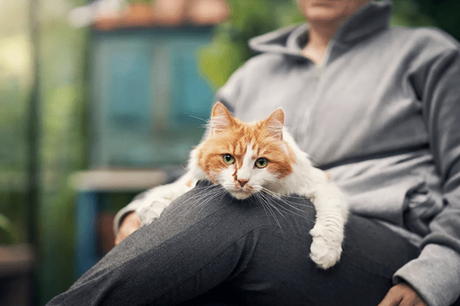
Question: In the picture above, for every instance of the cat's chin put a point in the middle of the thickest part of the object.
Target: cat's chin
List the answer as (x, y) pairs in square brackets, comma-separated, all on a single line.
[(240, 194)]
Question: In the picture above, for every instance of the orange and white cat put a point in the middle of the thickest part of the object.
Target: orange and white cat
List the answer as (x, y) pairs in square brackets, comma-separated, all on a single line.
[(261, 157)]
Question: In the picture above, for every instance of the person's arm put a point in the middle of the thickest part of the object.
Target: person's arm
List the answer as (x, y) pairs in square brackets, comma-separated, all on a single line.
[(130, 223), (402, 294), (148, 205), (435, 274)]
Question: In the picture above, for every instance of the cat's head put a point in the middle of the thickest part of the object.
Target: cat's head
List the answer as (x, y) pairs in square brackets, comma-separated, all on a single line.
[(245, 158)]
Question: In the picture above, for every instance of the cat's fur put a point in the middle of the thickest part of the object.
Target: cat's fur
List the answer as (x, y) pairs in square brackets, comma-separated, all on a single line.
[(231, 157)]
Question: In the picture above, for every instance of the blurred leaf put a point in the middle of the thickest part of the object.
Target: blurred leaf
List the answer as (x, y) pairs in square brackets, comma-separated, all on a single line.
[(408, 13), (247, 19), (6, 236)]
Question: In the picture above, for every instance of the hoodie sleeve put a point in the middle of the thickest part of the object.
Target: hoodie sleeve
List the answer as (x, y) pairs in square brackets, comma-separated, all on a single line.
[(436, 273)]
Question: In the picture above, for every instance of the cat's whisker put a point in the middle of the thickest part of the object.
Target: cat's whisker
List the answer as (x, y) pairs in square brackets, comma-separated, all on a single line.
[(210, 198), (270, 203), (268, 207), (202, 194), (202, 197), (288, 206), (284, 199), (208, 194), (201, 119)]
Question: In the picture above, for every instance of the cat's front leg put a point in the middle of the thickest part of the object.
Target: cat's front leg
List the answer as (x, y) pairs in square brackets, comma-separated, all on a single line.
[(326, 248), (328, 232), (158, 198)]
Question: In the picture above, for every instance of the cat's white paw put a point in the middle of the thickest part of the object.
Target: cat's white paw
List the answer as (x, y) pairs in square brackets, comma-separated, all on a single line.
[(152, 206), (325, 250)]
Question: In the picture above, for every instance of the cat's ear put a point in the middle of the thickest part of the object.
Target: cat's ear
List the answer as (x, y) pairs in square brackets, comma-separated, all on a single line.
[(221, 119), (275, 123)]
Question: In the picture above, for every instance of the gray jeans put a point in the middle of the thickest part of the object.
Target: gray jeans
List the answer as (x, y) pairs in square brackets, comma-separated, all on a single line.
[(214, 250)]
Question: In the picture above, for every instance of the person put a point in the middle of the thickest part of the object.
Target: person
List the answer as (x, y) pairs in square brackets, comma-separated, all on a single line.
[(375, 106)]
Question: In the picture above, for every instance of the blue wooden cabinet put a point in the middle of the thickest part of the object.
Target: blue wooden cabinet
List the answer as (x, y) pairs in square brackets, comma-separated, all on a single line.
[(149, 100), (148, 106)]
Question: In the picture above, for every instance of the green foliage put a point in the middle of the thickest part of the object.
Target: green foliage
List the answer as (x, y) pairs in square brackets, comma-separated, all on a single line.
[(62, 88), (408, 13), (14, 91), (444, 14), (248, 19), (6, 236), (62, 134), (13, 208)]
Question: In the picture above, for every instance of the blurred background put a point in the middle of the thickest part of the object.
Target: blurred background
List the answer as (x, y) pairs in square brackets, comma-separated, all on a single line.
[(101, 100)]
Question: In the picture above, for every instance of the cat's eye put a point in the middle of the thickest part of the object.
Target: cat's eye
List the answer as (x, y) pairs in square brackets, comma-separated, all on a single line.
[(228, 159), (261, 162)]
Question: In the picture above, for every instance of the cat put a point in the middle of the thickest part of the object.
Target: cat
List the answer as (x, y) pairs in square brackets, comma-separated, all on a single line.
[(261, 157)]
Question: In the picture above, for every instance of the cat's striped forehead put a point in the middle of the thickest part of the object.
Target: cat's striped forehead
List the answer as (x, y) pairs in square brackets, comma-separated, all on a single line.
[(245, 142), (237, 138), (242, 135)]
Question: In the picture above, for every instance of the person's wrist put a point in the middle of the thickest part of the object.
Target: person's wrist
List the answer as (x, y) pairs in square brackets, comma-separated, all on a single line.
[(128, 225), (131, 217)]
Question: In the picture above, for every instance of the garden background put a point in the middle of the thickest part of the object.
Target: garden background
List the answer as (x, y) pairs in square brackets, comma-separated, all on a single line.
[(44, 110)]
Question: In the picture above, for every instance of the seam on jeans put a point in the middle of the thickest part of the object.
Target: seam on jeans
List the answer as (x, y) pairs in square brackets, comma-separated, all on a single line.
[(211, 261), (206, 217), (374, 273), (184, 229)]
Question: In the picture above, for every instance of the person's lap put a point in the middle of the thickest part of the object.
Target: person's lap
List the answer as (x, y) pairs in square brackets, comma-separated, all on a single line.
[(209, 249), (280, 272)]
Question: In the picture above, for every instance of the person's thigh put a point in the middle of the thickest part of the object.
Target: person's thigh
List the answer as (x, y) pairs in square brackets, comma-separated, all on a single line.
[(204, 240), (255, 251), (274, 267), (371, 255), (280, 272)]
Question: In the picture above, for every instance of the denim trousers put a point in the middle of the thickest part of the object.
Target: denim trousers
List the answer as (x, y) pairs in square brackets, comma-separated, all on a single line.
[(210, 249)]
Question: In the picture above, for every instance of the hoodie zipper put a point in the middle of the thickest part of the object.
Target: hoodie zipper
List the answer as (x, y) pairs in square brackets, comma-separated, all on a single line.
[(320, 67), (318, 71)]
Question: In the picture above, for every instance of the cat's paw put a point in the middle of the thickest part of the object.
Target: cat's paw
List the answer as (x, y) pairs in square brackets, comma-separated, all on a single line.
[(325, 251), (152, 209), (146, 214)]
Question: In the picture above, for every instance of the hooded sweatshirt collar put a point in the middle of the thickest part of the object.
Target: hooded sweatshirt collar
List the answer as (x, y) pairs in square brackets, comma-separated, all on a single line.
[(370, 19)]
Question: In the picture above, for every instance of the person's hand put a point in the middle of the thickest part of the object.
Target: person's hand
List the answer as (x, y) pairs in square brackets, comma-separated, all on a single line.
[(402, 295), (129, 225)]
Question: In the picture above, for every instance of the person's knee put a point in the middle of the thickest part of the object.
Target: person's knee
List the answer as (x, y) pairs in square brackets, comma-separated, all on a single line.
[(213, 203), (291, 212)]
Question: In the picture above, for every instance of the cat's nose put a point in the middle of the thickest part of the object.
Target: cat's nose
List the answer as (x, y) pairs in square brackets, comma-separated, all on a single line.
[(242, 182)]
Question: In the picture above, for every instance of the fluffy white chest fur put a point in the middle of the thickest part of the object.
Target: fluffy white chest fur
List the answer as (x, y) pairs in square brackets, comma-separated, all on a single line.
[(262, 157)]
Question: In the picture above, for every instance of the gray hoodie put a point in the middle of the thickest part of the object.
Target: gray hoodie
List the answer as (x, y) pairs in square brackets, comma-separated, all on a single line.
[(382, 115)]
